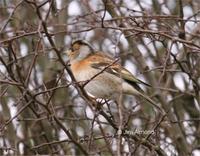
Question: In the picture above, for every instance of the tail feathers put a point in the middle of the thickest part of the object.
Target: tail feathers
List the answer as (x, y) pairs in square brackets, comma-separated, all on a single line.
[(133, 88), (153, 103), (146, 84)]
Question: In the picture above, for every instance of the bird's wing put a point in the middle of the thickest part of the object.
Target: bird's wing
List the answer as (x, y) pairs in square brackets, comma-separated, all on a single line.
[(109, 65)]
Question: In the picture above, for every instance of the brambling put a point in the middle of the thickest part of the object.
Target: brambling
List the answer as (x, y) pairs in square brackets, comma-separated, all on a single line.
[(103, 76)]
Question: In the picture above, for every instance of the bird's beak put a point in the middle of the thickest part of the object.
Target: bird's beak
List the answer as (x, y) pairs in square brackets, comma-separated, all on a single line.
[(68, 52)]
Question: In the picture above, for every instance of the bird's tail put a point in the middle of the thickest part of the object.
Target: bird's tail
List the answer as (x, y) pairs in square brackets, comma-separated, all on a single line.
[(153, 103)]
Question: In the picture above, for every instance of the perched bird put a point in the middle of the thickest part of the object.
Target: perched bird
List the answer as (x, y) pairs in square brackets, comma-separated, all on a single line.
[(103, 76)]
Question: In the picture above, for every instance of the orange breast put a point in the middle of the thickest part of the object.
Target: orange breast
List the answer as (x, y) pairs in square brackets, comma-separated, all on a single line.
[(79, 66)]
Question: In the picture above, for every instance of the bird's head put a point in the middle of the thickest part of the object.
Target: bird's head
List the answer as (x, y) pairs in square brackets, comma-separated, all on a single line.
[(79, 50)]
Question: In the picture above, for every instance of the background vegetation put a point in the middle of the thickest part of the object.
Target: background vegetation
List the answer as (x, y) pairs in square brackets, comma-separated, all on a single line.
[(44, 111)]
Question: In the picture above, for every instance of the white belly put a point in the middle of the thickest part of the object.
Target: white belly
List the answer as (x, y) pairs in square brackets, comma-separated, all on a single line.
[(104, 85)]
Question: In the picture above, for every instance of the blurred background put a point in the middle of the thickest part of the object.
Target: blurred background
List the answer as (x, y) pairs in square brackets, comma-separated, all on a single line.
[(42, 110)]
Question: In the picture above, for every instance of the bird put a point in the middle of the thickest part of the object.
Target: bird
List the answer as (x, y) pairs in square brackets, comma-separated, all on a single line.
[(104, 76)]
